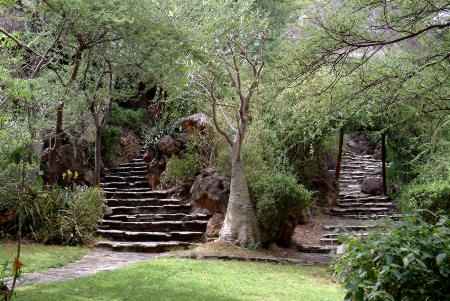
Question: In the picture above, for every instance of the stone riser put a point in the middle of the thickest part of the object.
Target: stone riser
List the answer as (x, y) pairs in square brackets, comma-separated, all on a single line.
[(129, 179), (150, 236), (147, 247), (364, 204), (122, 185), (166, 226), (142, 202), (185, 208), (134, 195), (158, 217)]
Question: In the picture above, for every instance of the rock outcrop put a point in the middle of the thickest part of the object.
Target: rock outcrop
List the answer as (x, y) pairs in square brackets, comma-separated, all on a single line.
[(209, 191), (70, 157), (169, 146), (372, 185), (214, 225), (196, 122), (126, 149)]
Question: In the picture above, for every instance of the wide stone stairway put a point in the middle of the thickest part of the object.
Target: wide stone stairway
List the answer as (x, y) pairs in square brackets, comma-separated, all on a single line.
[(143, 220), (354, 208)]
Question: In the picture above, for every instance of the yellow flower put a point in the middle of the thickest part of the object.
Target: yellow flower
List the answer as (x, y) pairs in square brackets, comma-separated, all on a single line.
[(64, 176), (69, 172), (75, 175)]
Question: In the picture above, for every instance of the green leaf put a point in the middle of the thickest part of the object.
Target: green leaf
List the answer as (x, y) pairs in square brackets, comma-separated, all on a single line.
[(341, 248), (35, 159), (15, 157), (440, 258), (405, 276), (348, 297), (407, 260), (351, 285), (37, 184)]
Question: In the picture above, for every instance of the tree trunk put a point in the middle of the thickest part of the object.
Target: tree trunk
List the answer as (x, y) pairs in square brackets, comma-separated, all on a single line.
[(383, 162), (240, 224), (56, 147), (38, 146), (98, 156), (339, 157)]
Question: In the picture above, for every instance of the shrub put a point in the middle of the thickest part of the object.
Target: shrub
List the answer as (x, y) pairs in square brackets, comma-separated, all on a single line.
[(63, 216), (110, 137), (181, 168), (131, 119), (434, 196), (277, 195), (404, 260)]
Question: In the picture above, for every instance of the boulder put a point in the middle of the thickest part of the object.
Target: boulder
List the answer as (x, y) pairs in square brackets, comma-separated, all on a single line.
[(89, 178), (149, 155), (214, 225), (209, 191), (106, 209), (373, 186), (326, 189), (70, 158), (285, 238), (196, 122), (126, 149), (6, 216), (169, 146)]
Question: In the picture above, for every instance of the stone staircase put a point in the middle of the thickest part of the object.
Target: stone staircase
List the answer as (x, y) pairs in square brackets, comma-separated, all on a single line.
[(354, 208), (143, 220)]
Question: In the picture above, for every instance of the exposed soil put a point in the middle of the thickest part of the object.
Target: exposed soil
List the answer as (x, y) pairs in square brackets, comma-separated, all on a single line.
[(311, 232)]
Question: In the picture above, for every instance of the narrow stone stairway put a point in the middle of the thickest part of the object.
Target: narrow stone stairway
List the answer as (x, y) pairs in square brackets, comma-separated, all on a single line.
[(143, 220), (354, 208)]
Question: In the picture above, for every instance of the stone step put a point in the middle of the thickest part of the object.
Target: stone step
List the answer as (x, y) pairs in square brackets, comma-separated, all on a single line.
[(131, 173), (143, 246), (133, 169), (140, 160), (136, 194), (161, 226), (352, 210), (131, 179), (134, 165), (158, 217), (142, 202), (121, 235), (316, 248), (182, 208), (339, 228), (392, 215), (364, 204), (361, 196)]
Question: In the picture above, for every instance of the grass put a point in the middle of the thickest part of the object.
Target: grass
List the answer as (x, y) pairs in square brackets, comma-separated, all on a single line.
[(188, 279), (39, 257)]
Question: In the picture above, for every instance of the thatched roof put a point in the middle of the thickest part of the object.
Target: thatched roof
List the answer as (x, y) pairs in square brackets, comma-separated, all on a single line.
[(197, 121)]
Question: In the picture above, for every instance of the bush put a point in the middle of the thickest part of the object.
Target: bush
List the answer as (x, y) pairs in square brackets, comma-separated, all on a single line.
[(404, 260), (110, 137), (131, 119), (434, 196), (277, 195), (63, 216)]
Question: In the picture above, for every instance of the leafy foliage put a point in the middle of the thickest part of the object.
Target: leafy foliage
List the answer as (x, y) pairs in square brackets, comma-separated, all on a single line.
[(110, 137), (277, 195), (433, 196), (404, 260), (64, 216), (128, 118)]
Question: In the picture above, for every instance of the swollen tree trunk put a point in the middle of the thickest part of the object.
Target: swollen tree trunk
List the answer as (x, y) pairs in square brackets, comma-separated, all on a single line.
[(240, 224)]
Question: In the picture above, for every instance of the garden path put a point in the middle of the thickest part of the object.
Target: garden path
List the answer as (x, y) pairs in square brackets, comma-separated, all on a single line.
[(104, 260)]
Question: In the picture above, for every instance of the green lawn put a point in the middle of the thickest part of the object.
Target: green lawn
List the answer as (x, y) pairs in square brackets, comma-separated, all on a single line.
[(39, 257), (188, 279)]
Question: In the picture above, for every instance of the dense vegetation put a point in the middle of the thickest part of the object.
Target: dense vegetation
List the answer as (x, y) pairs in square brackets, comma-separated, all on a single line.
[(277, 79)]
